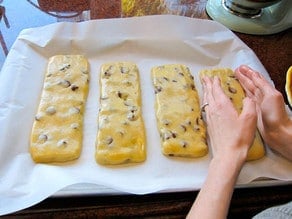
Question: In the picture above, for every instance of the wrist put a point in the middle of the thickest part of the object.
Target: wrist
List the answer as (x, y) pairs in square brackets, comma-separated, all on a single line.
[(229, 164), (281, 136), (236, 157), (283, 141)]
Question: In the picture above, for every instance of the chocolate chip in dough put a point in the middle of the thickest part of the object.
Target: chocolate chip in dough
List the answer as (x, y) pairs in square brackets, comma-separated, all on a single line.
[(184, 128), (74, 110), (65, 67), (43, 138), (62, 143), (109, 140), (184, 144), (124, 70), (232, 90), (64, 83), (157, 89), (74, 125), (38, 117), (132, 116), (51, 110), (123, 96), (74, 87)]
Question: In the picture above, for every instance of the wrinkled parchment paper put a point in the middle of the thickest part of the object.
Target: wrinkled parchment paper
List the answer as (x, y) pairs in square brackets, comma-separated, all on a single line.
[(147, 41)]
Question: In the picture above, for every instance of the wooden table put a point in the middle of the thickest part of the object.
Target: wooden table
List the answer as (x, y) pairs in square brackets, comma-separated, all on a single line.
[(274, 51)]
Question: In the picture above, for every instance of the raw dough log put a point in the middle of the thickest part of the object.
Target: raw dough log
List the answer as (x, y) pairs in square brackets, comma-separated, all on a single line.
[(179, 121), (57, 129), (121, 135)]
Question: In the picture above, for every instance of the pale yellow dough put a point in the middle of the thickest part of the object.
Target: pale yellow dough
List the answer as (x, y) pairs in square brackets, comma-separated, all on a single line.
[(121, 133), (235, 92), (56, 134), (182, 130)]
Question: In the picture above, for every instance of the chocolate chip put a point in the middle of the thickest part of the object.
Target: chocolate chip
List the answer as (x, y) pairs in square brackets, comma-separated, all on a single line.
[(51, 110), (132, 116), (232, 90), (166, 122), (173, 134), (123, 96), (65, 67), (166, 136), (197, 120), (74, 125), (43, 137), (124, 70), (62, 142), (74, 110), (184, 128), (184, 144), (64, 83), (196, 128), (74, 87), (107, 74), (158, 89), (38, 117), (109, 140), (104, 98)]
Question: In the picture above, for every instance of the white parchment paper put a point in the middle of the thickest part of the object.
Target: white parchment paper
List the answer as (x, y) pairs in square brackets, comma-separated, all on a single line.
[(147, 41)]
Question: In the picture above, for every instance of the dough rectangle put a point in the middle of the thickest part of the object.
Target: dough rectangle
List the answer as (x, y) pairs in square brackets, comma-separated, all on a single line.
[(121, 133), (57, 133), (179, 121)]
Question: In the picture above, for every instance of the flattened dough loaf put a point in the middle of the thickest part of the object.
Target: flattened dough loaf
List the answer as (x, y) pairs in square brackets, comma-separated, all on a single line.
[(121, 133), (182, 130), (57, 129), (234, 91)]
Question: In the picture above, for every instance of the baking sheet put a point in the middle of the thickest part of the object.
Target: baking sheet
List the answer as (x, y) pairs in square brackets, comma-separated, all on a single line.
[(162, 39)]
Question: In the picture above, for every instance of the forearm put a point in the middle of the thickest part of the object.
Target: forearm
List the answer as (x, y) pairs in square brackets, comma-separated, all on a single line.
[(282, 139), (214, 198)]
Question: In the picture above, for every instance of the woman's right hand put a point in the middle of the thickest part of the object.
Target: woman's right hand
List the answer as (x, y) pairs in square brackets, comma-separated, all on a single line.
[(274, 123), (231, 134)]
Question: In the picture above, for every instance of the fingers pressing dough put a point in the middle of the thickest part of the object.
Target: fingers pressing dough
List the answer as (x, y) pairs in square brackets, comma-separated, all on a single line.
[(234, 91)]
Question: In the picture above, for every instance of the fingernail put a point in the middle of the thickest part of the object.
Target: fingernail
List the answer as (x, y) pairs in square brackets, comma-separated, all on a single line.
[(244, 68)]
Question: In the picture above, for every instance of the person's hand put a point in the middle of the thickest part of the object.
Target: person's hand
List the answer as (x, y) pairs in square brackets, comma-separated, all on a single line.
[(274, 123), (231, 134)]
